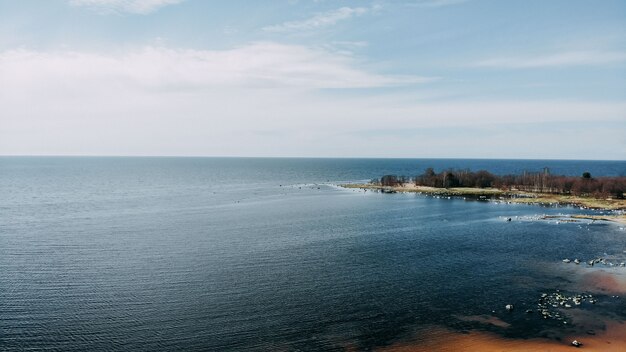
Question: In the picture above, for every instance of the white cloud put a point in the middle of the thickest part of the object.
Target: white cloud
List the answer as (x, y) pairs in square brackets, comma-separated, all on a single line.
[(350, 44), (320, 20), (571, 58), (118, 6), (435, 3), (261, 65), (261, 99)]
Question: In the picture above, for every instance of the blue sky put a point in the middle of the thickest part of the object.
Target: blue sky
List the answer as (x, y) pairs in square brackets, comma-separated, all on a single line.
[(413, 78)]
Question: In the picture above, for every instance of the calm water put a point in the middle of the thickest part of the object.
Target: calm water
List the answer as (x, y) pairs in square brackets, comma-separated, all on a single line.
[(265, 254)]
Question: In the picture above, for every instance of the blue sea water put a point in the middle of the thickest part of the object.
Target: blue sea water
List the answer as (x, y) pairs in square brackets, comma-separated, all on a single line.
[(254, 254)]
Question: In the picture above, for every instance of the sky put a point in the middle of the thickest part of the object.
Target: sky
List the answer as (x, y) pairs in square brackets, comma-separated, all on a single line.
[(529, 79)]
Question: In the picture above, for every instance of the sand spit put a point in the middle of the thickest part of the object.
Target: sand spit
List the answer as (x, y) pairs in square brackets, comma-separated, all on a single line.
[(491, 193)]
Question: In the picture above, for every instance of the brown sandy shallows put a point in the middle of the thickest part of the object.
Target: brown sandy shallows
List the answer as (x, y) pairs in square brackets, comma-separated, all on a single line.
[(604, 280), (613, 339), (610, 335), (600, 281), (596, 330), (510, 196), (484, 319)]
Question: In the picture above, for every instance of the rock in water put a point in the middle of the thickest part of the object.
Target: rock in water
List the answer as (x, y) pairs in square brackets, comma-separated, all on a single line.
[(509, 307)]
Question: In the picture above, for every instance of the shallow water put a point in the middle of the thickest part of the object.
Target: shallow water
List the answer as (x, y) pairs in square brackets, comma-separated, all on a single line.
[(265, 254)]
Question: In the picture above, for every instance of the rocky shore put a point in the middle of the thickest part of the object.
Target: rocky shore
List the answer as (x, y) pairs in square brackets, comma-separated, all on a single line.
[(575, 313), (502, 195)]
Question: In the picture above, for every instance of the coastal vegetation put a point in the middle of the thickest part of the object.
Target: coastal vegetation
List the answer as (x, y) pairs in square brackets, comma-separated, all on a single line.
[(538, 182), (528, 187)]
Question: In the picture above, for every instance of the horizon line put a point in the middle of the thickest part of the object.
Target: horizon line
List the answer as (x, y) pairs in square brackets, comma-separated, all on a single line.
[(285, 157)]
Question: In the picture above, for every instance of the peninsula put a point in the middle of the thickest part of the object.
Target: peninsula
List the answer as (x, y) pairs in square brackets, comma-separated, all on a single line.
[(605, 193)]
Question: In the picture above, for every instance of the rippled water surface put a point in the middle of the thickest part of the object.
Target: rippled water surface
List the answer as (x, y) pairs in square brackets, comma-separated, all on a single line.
[(266, 254)]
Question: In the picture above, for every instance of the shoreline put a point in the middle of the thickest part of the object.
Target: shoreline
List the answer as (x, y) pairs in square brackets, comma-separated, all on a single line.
[(604, 332), (519, 197)]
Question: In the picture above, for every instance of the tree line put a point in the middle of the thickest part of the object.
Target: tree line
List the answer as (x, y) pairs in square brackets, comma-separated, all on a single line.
[(544, 182)]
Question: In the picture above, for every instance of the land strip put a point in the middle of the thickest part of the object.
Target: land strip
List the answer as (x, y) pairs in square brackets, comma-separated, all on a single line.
[(511, 196)]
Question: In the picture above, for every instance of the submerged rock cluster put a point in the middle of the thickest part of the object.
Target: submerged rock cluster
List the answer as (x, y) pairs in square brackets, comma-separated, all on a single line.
[(549, 304), (595, 261)]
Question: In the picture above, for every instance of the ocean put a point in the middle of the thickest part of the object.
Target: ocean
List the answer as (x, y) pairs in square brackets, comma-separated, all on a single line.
[(268, 254)]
